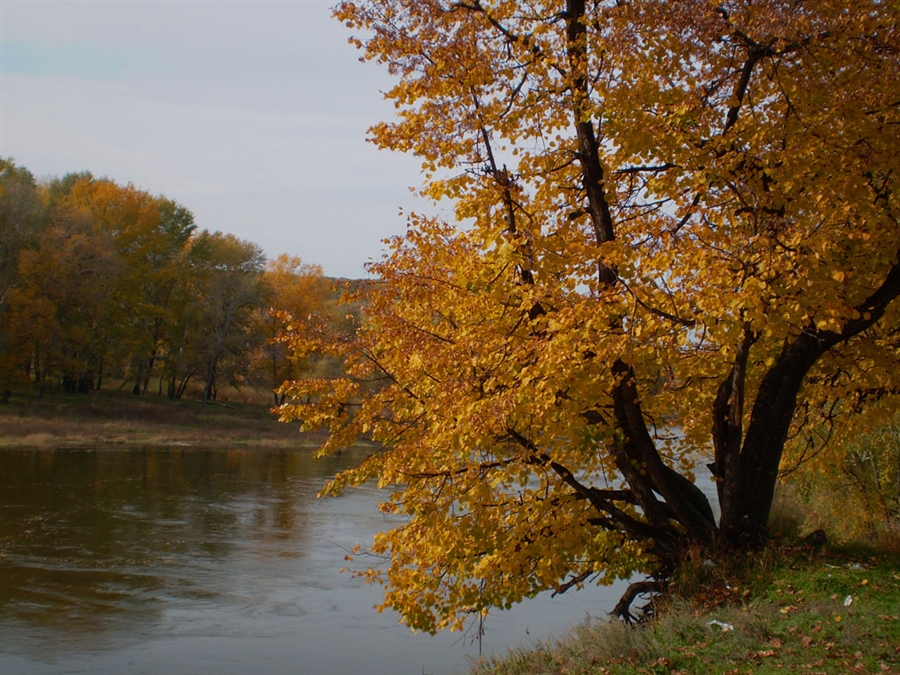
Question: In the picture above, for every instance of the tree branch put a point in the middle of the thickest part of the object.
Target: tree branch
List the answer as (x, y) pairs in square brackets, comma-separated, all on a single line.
[(636, 528), (623, 607), (684, 498), (588, 147)]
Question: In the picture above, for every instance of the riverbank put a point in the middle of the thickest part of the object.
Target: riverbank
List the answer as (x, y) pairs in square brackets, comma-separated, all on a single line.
[(827, 613), (117, 418)]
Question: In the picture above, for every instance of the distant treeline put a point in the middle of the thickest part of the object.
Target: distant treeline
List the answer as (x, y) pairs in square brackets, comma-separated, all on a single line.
[(105, 285)]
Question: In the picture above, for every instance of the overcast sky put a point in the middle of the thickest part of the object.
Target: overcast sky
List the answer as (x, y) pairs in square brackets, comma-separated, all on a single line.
[(251, 113)]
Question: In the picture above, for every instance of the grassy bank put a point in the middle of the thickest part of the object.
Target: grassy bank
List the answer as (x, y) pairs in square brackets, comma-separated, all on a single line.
[(117, 418), (833, 613)]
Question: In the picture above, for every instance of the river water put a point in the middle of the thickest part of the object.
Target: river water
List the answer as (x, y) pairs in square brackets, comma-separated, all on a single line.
[(213, 561)]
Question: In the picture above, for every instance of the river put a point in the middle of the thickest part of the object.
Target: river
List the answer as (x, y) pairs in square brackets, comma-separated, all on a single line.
[(213, 561)]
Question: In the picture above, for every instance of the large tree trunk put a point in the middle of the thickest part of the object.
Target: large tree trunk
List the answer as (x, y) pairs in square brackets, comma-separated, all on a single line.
[(749, 485), (746, 505)]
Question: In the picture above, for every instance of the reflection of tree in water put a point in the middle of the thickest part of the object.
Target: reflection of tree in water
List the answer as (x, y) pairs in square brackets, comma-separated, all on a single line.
[(111, 539)]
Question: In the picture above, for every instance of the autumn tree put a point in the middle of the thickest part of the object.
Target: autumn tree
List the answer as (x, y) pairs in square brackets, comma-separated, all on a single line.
[(59, 306), (158, 269), (21, 218), (296, 290), (89, 270), (21, 208), (147, 234), (102, 280), (676, 243), (184, 355), (231, 290)]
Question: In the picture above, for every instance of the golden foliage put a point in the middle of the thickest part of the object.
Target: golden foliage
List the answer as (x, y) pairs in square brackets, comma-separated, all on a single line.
[(672, 219)]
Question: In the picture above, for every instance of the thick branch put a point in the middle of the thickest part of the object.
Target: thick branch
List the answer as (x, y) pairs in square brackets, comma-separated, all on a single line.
[(870, 310), (728, 416), (597, 498), (588, 148), (684, 498), (740, 89), (574, 581)]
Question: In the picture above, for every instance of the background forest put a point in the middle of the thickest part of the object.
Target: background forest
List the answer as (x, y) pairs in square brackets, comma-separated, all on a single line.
[(104, 285)]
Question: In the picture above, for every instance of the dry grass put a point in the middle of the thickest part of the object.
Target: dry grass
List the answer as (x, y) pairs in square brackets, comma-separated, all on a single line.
[(115, 418)]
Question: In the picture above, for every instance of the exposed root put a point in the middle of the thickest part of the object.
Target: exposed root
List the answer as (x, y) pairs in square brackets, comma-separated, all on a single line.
[(639, 588)]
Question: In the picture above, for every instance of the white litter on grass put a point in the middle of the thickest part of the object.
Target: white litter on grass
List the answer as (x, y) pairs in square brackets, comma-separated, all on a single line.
[(848, 601), (721, 624)]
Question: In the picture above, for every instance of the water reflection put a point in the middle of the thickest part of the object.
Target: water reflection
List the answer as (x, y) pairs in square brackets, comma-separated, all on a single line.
[(90, 534), (161, 560)]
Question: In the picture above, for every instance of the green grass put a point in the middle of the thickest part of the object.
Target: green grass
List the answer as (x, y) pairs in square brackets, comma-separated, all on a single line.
[(790, 614)]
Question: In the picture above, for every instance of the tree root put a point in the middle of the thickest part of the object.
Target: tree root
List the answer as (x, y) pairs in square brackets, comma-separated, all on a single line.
[(622, 609)]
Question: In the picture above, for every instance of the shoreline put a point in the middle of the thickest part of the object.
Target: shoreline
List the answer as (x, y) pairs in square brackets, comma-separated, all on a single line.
[(109, 420)]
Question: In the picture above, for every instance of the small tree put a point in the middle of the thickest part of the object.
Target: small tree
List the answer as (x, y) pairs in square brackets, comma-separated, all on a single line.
[(677, 235), (232, 292)]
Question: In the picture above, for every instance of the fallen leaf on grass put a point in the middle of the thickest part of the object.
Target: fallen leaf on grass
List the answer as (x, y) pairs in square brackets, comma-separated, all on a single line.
[(814, 664)]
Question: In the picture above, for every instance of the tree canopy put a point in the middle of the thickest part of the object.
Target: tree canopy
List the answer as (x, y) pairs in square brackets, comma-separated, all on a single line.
[(100, 280), (675, 243)]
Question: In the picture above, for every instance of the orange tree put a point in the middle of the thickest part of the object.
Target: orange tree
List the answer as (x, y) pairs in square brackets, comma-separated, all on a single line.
[(676, 235)]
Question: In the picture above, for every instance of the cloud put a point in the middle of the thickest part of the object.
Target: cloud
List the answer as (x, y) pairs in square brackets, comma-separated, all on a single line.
[(251, 114)]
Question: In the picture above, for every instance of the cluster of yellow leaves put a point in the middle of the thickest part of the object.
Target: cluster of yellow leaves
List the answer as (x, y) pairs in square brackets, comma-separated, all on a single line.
[(465, 373)]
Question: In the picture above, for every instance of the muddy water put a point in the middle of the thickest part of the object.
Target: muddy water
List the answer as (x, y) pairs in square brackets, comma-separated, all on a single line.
[(212, 561)]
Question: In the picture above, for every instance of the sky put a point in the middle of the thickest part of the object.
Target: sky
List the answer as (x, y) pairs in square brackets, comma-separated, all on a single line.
[(250, 113)]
